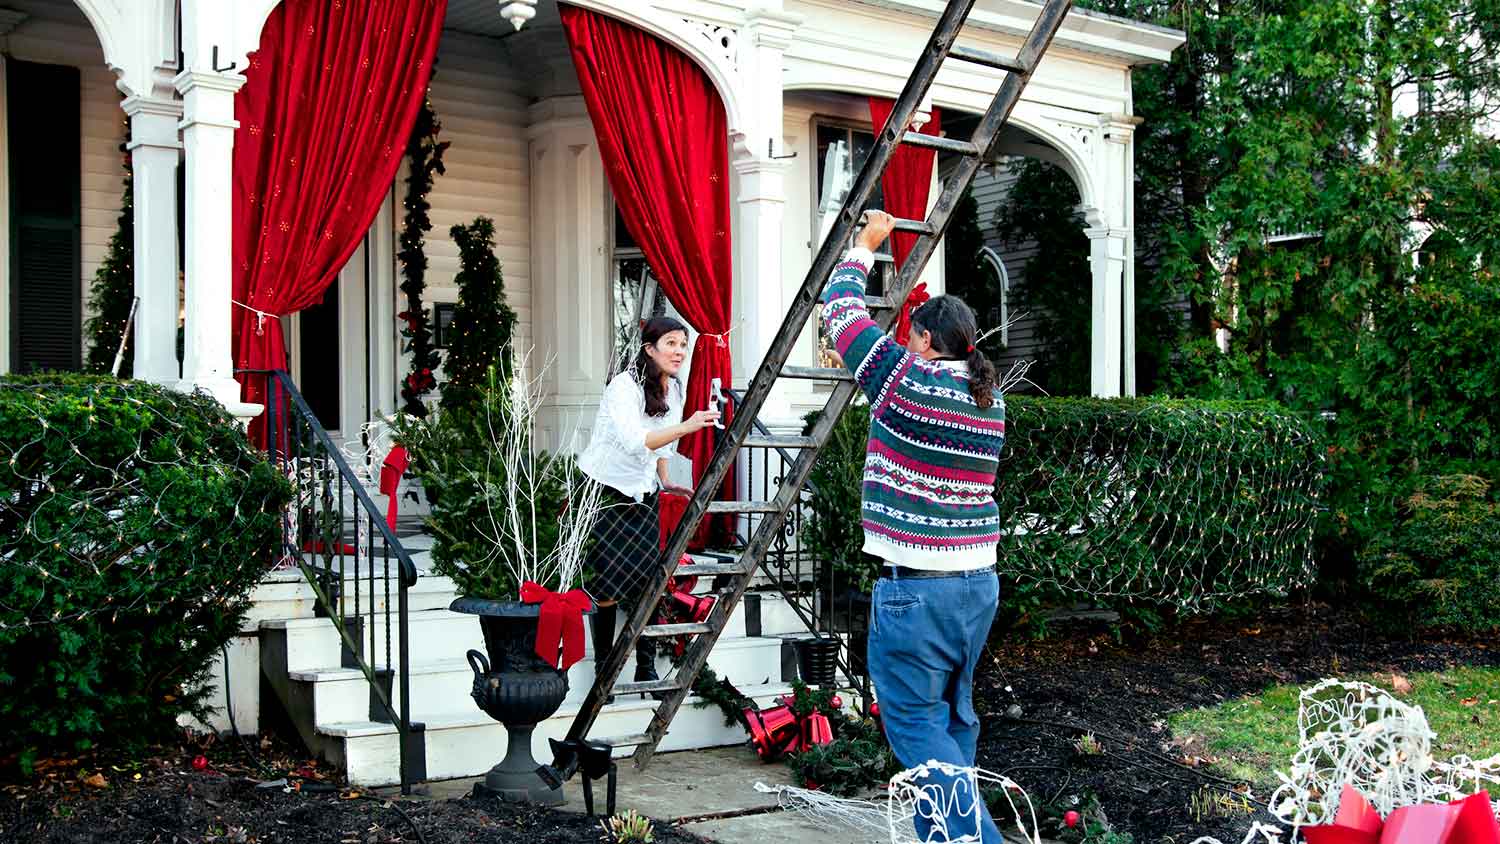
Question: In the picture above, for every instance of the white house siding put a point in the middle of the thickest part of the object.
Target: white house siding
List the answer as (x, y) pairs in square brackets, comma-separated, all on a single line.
[(57, 33), (480, 101)]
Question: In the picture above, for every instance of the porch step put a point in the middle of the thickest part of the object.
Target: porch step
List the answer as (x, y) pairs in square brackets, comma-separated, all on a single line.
[(341, 695), (287, 594), (466, 743), (313, 643)]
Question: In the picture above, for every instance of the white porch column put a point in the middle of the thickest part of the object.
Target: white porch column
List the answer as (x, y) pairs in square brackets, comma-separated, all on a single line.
[(1108, 256), (154, 150), (1112, 258), (570, 268), (208, 140), (760, 192)]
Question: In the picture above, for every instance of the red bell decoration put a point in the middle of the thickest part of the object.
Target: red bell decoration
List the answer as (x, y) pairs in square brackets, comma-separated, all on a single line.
[(689, 607), (773, 732), (815, 731)]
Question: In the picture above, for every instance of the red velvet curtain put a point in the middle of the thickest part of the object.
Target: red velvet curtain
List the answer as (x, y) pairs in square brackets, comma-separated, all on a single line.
[(906, 185), (329, 100), (664, 138)]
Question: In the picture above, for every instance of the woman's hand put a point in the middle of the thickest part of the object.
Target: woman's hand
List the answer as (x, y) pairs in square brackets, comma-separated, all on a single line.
[(878, 226), (700, 420), (673, 489)]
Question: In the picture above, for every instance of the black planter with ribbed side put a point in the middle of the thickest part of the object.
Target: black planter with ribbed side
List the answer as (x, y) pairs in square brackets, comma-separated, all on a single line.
[(818, 660), (517, 688)]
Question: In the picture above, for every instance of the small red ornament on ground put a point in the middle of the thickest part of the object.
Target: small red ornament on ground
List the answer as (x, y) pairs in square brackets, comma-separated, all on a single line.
[(1071, 819), (200, 763)]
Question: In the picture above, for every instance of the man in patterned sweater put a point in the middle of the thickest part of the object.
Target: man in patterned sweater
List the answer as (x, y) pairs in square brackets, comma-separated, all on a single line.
[(929, 514)]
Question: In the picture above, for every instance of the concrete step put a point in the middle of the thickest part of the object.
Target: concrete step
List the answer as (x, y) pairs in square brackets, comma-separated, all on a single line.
[(466, 742), (438, 686), (313, 643), (287, 594)]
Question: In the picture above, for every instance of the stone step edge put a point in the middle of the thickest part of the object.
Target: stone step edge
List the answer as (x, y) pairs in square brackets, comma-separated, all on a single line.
[(761, 694)]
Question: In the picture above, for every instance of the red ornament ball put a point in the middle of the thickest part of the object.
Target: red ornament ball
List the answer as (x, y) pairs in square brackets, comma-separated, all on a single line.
[(836, 702), (200, 763), (1070, 819), (875, 710)]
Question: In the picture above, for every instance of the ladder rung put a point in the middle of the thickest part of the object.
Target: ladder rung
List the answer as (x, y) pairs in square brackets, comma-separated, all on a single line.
[(778, 441), (741, 507), (687, 629), (878, 303), (817, 373), (632, 740), (708, 569), (917, 139), (986, 58), (914, 226), (670, 684)]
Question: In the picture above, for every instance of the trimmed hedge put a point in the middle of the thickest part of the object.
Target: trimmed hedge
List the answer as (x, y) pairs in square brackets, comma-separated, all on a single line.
[(1174, 503), (133, 523)]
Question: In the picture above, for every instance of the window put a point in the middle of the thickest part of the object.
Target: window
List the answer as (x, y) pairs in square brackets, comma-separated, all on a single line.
[(442, 324), (635, 295), (842, 151)]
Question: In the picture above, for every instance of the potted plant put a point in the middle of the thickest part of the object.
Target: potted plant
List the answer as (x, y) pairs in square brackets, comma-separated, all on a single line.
[(509, 526)]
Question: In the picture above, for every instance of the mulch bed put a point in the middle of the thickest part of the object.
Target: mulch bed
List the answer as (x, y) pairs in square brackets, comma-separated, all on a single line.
[(172, 802), (1083, 680)]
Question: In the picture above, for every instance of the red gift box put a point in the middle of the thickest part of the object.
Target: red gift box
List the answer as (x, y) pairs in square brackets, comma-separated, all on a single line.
[(1467, 821)]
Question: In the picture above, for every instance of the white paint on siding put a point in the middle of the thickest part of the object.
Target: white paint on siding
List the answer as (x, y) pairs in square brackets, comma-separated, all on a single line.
[(481, 102)]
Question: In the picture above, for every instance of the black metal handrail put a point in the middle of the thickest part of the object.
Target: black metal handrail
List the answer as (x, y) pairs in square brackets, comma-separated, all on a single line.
[(315, 536)]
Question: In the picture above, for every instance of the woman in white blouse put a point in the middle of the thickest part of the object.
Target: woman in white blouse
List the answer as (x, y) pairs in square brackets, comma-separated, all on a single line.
[(635, 432)]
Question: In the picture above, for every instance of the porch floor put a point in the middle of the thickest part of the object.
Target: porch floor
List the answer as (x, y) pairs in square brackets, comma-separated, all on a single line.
[(695, 783)]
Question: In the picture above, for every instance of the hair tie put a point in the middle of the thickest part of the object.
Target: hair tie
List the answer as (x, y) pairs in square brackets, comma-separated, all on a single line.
[(971, 348)]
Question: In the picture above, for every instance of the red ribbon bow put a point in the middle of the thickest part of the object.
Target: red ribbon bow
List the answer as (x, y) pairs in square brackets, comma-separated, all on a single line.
[(1466, 821), (390, 480), (560, 626), (914, 300)]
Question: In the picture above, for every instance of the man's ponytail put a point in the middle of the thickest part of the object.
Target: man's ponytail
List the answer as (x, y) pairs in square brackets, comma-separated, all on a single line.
[(954, 334), (981, 378)]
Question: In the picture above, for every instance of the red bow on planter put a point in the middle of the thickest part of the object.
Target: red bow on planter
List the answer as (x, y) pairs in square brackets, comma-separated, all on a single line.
[(561, 623), (914, 300), (1466, 821)]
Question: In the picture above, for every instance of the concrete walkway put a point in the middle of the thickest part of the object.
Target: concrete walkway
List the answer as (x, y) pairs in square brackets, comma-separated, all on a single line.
[(702, 782)]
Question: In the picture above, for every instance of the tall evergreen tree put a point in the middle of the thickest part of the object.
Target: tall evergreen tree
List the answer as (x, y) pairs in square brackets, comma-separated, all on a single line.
[(483, 324), (113, 289)]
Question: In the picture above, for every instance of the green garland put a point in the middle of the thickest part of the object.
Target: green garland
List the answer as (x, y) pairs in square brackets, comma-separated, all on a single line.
[(718, 691), (858, 760), (113, 288), (425, 152)]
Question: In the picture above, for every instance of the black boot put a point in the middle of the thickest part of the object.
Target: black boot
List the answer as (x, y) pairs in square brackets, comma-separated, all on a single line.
[(604, 637), (645, 664)]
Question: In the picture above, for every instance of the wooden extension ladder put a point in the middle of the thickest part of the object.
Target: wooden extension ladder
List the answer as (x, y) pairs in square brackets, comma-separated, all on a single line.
[(675, 688)]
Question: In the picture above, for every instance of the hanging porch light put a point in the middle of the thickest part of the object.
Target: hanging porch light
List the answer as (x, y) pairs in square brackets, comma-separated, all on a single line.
[(518, 12)]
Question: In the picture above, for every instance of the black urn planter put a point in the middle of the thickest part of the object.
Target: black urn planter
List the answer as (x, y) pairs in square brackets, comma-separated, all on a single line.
[(517, 688)]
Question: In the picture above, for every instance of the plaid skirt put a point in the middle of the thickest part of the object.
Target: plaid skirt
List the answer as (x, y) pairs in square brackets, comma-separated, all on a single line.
[(624, 548)]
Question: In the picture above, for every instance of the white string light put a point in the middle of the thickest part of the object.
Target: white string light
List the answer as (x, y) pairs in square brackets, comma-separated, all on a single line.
[(1142, 486), (92, 529)]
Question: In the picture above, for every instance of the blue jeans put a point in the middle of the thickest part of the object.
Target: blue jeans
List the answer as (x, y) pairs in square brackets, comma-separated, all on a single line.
[(926, 635)]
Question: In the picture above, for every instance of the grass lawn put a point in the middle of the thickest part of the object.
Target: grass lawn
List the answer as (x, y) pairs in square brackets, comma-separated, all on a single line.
[(1253, 736)]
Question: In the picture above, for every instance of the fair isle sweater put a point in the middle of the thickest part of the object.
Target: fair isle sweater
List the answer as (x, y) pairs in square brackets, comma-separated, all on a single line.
[(929, 480)]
